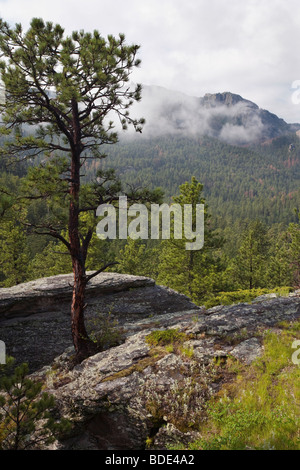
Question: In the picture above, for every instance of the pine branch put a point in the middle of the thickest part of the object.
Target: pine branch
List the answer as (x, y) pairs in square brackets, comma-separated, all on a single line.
[(91, 276), (51, 231)]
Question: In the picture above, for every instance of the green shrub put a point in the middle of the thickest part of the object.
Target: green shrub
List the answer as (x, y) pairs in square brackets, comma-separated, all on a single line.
[(239, 296), (105, 332), (165, 337)]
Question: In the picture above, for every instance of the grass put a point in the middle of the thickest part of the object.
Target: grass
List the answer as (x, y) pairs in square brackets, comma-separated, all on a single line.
[(239, 296), (260, 409), (165, 337), (172, 341)]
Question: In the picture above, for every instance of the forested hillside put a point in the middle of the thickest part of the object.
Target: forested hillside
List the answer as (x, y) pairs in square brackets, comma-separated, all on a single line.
[(251, 195), (258, 181)]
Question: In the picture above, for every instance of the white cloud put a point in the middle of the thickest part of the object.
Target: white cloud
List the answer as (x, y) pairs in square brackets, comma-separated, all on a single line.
[(195, 46)]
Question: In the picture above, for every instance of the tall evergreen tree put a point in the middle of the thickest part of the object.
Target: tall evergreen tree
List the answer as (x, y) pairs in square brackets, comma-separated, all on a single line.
[(294, 255), (192, 272), (138, 258), (66, 89), (14, 248), (250, 264), (15, 254), (279, 263)]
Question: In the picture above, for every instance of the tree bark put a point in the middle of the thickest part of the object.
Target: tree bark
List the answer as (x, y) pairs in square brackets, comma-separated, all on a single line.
[(83, 345)]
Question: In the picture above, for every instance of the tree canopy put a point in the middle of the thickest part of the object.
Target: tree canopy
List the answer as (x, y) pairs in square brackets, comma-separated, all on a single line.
[(61, 96)]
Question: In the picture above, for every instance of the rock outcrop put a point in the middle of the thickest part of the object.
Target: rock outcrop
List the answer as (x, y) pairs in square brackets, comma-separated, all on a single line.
[(150, 388), (35, 316), (54, 293)]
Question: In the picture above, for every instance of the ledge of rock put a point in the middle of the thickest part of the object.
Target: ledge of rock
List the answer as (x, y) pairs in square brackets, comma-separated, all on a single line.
[(132, 393), (35, 316), (115, 397), (52, 293)]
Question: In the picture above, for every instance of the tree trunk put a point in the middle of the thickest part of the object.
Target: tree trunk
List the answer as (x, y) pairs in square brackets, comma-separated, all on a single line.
[(79, 333), (83, 345), (190, 272), (251, 265)]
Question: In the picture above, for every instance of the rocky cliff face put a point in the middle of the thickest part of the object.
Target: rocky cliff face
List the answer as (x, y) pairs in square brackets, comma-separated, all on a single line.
[(213, 100), (154, 383)]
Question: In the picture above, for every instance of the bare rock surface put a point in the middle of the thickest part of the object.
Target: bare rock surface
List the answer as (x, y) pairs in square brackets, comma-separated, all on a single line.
[(54, 293), (35, 316), (247, 350), (138, 393)]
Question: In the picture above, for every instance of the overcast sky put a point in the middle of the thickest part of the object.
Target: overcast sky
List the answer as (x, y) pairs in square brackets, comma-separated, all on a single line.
[(248, 47)]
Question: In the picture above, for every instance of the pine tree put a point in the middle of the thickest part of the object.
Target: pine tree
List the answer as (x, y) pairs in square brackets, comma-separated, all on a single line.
[(294, 254), (194, 273), (25, 411), (250, 264), (51, 261), (14, 248), (67, 90), (138, 258), (15, 254), (278, 264)]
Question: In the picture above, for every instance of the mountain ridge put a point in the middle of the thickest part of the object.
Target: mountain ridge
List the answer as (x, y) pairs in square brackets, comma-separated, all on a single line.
[(224, 115)]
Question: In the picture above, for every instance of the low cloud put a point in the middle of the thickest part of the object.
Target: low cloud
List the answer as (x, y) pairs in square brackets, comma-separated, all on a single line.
[(225, 116)]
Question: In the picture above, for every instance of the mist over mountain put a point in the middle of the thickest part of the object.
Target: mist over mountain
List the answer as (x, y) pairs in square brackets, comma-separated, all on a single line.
[(225, 116), (247, 158)]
